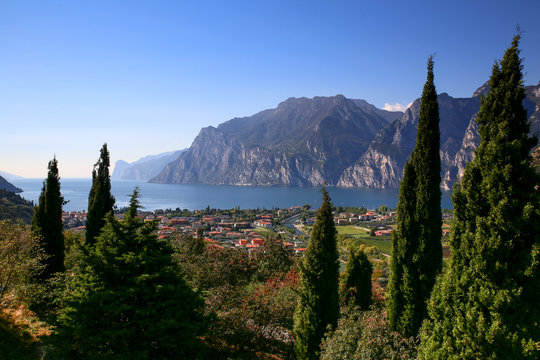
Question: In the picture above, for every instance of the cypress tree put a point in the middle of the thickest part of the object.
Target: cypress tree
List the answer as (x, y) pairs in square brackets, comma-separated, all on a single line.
[(417, 256), (356, 282), (100, 200), (486, 305), (403, 284), (47, 222), (318, 301)]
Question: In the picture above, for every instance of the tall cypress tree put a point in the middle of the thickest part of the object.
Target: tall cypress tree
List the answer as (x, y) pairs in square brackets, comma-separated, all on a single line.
[(403, 314), (100, 200), (355, 287), (47, 222), (318, 302), (486, 305), (417, 256)]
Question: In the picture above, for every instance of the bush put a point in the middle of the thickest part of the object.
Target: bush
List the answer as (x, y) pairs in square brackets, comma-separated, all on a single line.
[(366, 335)]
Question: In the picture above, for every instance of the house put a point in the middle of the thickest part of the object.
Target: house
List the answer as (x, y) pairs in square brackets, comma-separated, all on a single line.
[(365, 217), (257, 241), (263, 223)]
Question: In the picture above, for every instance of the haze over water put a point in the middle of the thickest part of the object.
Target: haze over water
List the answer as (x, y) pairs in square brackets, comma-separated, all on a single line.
[(192, 197)]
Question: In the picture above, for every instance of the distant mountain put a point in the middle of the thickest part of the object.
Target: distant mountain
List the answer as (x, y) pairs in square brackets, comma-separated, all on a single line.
[(6, 185), (10, 177), (302, 142), (343, 142), (145, 168)]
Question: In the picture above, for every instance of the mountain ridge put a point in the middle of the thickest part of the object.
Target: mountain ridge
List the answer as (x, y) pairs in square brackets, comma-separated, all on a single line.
[(334, 140), (302, 142)]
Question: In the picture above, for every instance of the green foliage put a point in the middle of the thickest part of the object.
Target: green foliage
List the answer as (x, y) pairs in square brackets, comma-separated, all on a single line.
[(250, 298), (257, 317), (20, 258), (47, 222), (215, 267), (486, 304), (318, 301), (16, 343), (271, 258), (417, 249), (129, 301), (13, 207), (355, 289), (100, 200), (366, 335)]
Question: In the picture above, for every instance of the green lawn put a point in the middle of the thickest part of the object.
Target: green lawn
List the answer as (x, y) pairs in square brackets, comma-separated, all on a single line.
[(383, 243)]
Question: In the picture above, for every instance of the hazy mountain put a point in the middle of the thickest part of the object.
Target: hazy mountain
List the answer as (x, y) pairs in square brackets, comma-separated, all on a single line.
[(301, 142), (10, 177), (6, 185), (145, 168)]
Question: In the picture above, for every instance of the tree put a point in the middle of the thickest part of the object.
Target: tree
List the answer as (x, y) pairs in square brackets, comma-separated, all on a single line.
[(272, 258), (100, 200), (318, 302), (486, 305), (47, 222), (129, 301), (417, 249), (355, 287), (20, 257)]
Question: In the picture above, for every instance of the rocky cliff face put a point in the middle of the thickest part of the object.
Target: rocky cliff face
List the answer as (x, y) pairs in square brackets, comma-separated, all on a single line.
[(381, 166), (303, 142), (306, 142), (471, 139)]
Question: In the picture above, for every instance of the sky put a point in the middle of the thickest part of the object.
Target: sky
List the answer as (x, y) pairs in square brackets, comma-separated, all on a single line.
[(146, 76)]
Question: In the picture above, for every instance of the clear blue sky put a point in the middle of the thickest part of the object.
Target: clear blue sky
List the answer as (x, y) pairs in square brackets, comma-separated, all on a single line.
[(145, 76)]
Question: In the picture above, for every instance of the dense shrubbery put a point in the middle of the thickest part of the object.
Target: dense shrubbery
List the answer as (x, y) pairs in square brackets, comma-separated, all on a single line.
[(366, 335)]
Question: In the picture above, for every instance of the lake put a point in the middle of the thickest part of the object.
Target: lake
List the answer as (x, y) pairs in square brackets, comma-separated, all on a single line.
[(192, 197)]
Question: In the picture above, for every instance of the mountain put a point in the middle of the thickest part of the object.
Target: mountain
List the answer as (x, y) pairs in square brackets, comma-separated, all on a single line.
[(6, 185), (381, 166), (344, 142), (145, 168), (302, 142), (13, 207), (389, 116), (10, 177)]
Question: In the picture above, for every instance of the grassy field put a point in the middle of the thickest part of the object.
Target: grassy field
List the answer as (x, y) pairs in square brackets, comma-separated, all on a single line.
[(352, 230), (360, 236)]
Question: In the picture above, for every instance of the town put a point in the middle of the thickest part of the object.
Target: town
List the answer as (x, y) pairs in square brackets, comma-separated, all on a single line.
[(246, 229)]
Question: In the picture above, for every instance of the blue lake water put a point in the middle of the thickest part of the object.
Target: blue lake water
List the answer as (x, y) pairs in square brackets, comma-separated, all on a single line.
[(165, 196)]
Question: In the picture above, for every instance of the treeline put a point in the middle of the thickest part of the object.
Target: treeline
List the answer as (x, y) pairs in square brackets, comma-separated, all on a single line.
[(121, 292), (14, 207)]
